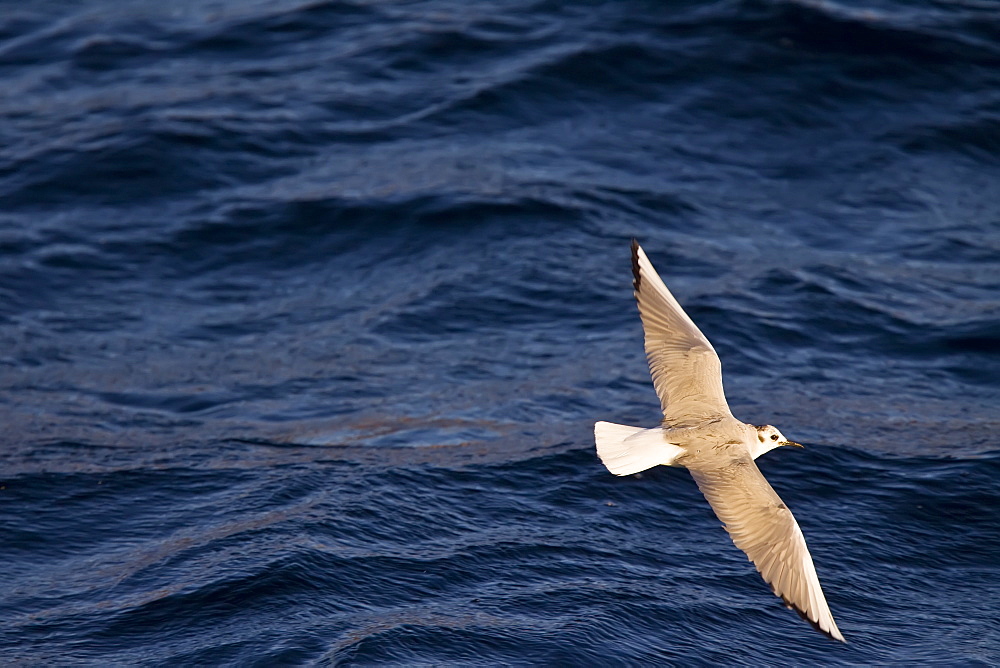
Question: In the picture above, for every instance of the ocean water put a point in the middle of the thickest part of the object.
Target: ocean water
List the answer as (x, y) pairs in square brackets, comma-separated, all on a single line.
[(307, 310)]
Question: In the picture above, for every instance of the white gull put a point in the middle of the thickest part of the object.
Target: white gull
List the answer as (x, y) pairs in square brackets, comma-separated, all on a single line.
[(699, 433)]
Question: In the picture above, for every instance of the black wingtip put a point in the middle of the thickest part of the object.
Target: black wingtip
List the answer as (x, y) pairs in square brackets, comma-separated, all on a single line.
[(815, 625), (636, 276)]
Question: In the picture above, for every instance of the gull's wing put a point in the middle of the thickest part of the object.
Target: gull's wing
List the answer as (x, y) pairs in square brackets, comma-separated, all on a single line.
[(761, 525), (686, 370)]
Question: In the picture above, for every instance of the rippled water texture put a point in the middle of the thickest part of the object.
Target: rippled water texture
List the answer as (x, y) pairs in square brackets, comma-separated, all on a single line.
[(307, 310)]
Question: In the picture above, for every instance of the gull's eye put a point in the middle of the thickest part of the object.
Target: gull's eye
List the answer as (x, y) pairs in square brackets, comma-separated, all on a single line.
[(774, 437)]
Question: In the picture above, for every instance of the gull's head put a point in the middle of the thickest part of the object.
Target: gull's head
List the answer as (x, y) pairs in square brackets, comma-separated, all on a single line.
[(769, 438)]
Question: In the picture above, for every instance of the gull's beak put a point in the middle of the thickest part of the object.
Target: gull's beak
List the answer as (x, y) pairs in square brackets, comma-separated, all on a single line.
[(797, 445)]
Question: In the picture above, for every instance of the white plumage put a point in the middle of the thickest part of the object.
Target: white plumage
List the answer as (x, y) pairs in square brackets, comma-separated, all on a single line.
[(700, 434)]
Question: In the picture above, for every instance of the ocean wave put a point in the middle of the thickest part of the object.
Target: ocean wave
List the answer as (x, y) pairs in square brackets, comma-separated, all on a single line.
[(307, 310), (386, 565)]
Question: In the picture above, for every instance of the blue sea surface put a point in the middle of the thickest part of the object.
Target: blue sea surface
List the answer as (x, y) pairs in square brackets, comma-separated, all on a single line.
[(307, 310)]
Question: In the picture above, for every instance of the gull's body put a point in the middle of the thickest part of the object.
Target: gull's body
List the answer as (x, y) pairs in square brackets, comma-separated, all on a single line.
[(700, 434)]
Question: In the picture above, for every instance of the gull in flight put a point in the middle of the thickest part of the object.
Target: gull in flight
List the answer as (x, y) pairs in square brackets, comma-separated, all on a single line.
[(699, 433)]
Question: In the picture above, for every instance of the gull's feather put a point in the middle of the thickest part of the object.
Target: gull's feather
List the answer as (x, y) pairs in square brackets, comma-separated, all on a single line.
[(626, 450), (685, 368), (763, 527)]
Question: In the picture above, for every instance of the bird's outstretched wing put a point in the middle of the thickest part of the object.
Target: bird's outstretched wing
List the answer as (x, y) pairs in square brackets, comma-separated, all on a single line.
[(686, 370), (761, 525)]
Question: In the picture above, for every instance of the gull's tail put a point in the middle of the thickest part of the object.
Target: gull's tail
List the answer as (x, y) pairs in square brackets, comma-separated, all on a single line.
[(627, 450)]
